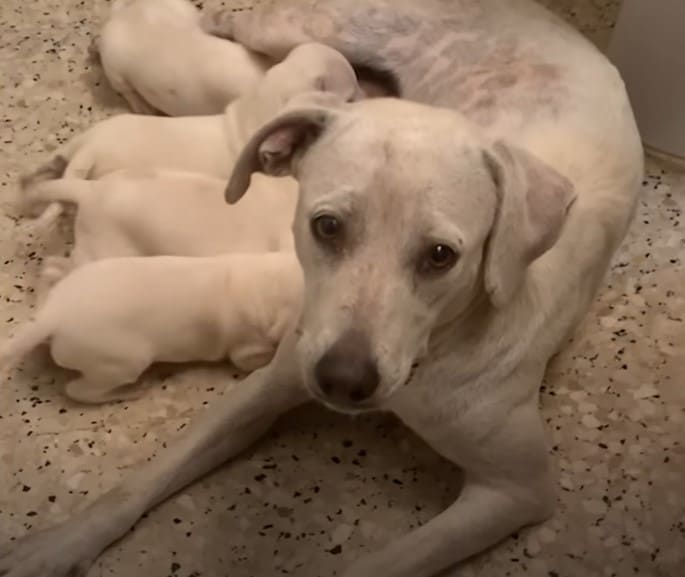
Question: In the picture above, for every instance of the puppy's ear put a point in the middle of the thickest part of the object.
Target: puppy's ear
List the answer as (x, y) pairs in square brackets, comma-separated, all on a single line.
[(275, 147), (533, 201)]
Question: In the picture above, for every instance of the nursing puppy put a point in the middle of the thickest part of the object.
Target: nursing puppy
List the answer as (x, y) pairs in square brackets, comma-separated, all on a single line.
[(129, 213), (205, 144), (155, 54), (112, 319)]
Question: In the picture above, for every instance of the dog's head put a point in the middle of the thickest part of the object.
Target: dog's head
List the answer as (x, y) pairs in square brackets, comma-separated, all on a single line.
[(311, 67), (407, 217)]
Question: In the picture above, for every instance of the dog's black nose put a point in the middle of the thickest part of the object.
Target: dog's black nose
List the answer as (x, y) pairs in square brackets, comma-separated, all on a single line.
[(347, 372)]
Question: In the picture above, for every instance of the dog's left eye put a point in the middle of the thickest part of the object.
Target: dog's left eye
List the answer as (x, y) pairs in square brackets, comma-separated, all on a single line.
[(326, 227), (439, 258)]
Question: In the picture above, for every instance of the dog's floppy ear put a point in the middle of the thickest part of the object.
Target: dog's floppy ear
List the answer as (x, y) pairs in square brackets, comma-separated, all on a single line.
[(533, 201), (275, 146)]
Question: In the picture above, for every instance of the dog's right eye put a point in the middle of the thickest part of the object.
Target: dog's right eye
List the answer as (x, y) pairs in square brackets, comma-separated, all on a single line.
[(326, 228)]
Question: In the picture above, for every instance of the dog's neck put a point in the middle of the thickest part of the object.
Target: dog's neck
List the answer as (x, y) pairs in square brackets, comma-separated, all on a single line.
[(458, 341)]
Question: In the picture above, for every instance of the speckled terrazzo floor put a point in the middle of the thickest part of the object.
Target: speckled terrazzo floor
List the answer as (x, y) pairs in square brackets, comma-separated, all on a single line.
[(322, 489)]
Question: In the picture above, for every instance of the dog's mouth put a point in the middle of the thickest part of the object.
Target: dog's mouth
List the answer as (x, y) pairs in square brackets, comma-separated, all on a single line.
[(348, 408)]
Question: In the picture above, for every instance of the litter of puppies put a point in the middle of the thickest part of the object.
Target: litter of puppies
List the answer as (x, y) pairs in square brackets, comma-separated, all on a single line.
[(162, 269)]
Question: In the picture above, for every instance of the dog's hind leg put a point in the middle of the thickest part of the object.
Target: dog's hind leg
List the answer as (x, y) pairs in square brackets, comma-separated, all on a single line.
[(234, 422)]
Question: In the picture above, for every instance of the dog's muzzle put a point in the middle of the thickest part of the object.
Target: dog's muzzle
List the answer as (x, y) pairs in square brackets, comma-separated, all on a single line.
[(347, 374)]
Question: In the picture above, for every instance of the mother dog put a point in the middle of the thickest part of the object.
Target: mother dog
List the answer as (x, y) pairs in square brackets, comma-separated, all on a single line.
[(447, 254)]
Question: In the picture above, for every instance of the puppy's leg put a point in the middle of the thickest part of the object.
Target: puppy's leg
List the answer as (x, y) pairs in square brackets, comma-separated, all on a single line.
[(109, 380), (91, 392), (110, 364), (49, 217), (243, 414), (27, 232), (507, 486), (54, 269)]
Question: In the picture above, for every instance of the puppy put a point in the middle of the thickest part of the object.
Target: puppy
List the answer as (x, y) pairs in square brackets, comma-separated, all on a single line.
[(110, 320), (129, 213), (155, 54), (205, 144)]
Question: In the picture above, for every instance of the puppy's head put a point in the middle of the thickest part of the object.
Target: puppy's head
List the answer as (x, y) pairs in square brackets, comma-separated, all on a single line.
[(407, 217), (309, 68)]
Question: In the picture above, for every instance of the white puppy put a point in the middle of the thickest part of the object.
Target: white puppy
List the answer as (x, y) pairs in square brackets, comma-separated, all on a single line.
[(129, 213), (206, 144), (155, 54), (110, 320)]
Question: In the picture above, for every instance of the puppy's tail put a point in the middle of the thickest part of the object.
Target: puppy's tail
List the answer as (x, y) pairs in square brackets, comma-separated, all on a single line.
[(27, 338)]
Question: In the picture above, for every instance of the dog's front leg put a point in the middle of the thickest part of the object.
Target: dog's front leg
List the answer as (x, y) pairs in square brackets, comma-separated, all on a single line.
[(243, 415), (506, 486)]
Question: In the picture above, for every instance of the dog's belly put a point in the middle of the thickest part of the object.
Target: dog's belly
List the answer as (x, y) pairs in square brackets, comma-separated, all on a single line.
[(489, 59)]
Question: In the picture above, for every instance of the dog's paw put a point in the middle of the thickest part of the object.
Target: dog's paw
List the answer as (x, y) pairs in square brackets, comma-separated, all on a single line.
[(57, 552)]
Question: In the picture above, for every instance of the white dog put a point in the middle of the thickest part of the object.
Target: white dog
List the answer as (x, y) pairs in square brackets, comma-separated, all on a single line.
[(128, 213), (206, 144), (155, 54), (447, 255), (110, 320)]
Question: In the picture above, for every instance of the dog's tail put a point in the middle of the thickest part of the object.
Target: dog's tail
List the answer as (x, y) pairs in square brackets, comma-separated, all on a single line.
[(27, 338)]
